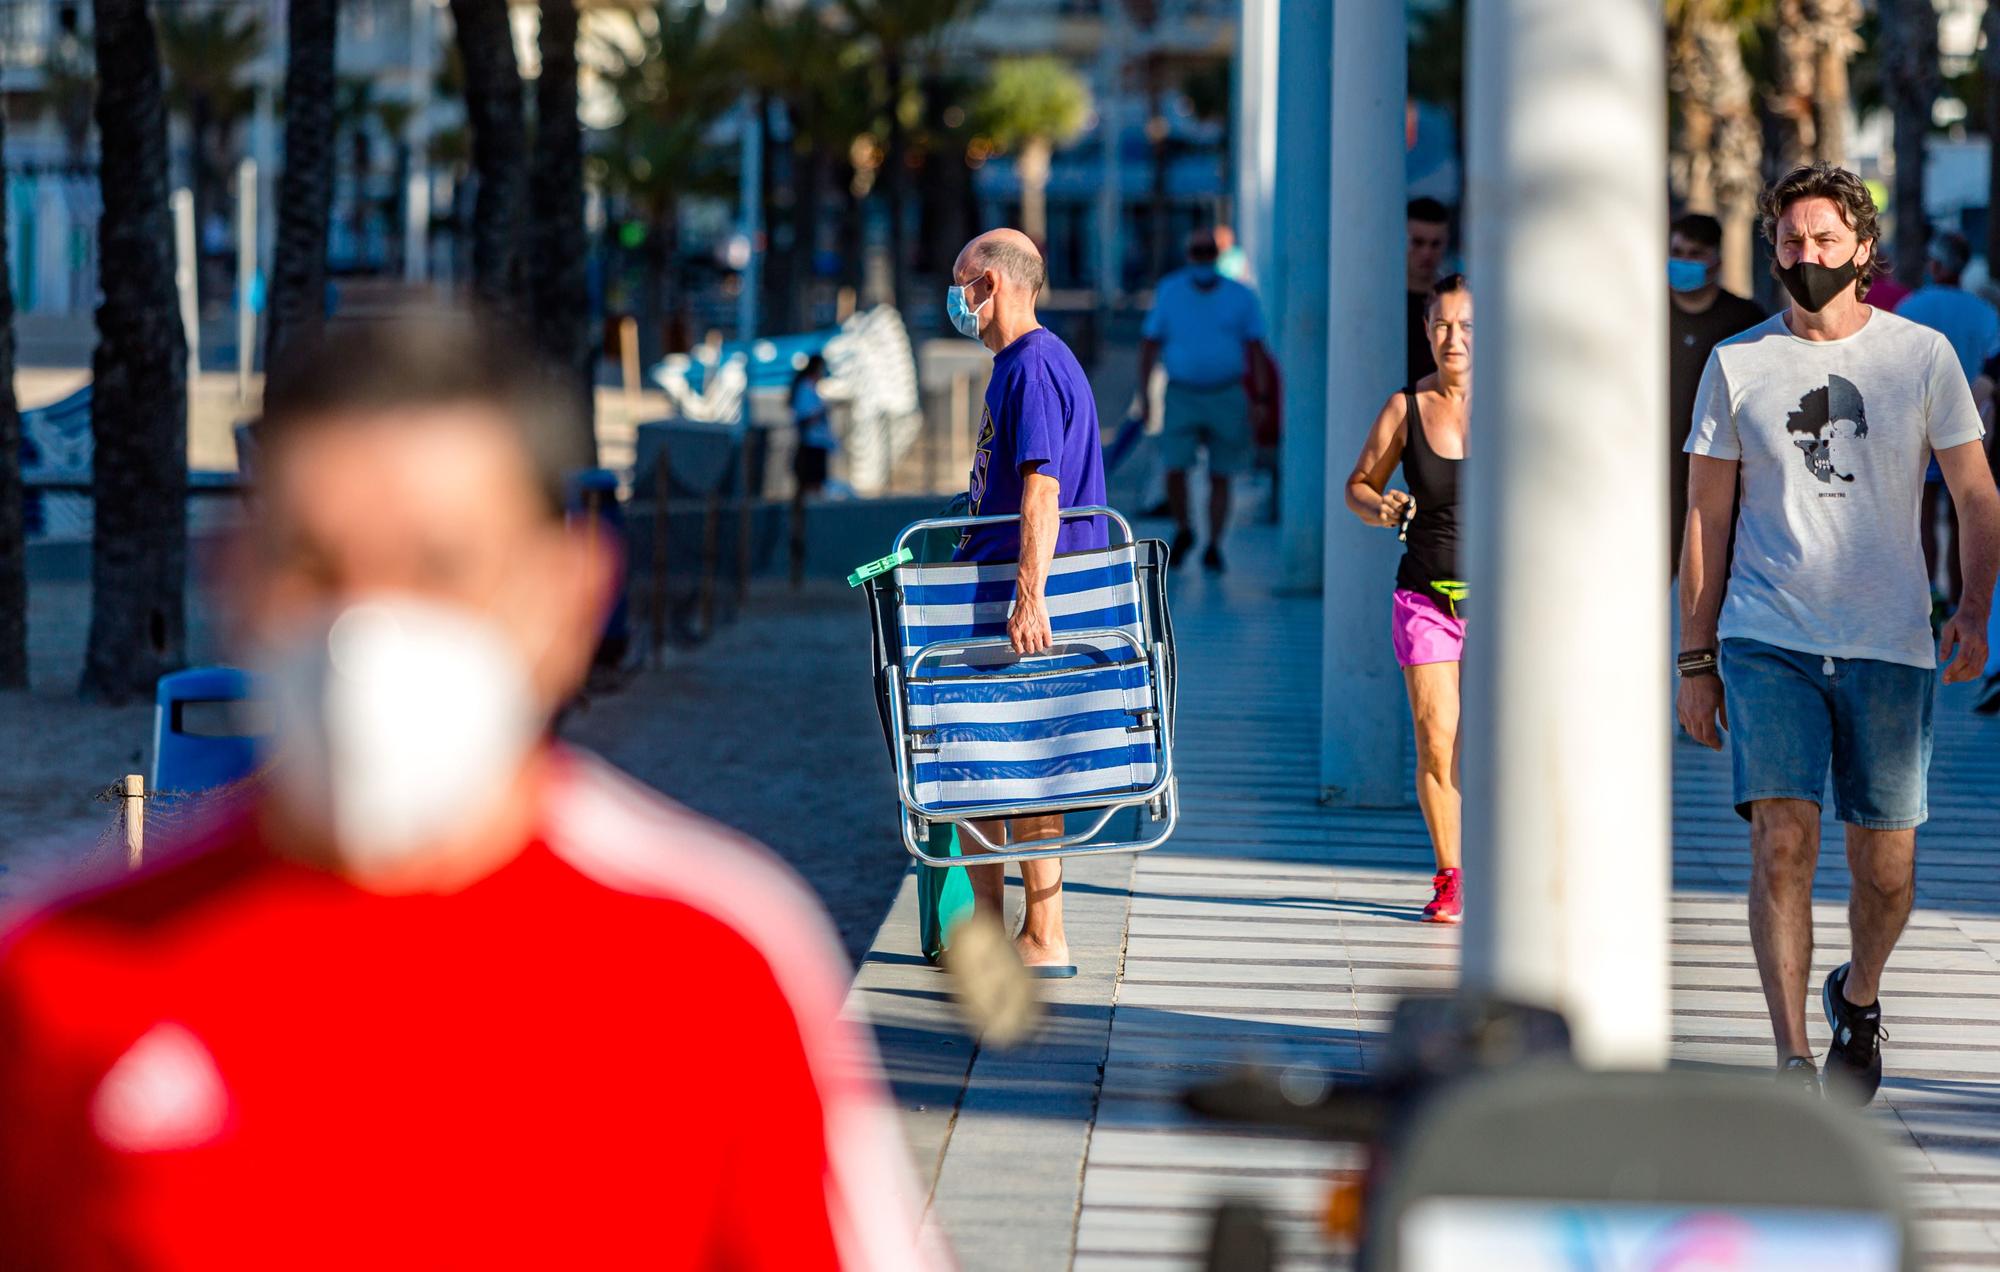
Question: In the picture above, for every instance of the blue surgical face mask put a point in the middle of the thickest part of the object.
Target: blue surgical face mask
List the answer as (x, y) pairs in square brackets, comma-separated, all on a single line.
[(1686, 276), (965, 319)]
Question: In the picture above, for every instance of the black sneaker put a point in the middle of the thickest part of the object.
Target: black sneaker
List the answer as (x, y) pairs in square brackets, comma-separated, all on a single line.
[(1988, 702), (1854, 1059), (1182, 550), (1211, 560), (1799, 1074)]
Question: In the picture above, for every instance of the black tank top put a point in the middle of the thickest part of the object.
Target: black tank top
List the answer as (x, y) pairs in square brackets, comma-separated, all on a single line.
[(1430, 552)]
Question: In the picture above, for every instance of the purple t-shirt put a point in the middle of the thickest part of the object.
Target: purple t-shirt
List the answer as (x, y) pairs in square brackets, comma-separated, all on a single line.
[(1040, 414)]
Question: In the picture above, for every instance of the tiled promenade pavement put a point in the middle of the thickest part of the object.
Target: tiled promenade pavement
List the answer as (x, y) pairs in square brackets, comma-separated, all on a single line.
[(1272, 928)]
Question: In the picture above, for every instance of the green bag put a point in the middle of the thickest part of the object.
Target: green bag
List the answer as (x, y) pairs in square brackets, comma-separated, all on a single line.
[(944, 893)]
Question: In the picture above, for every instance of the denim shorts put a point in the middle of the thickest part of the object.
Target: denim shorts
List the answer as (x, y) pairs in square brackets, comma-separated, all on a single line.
[(1215, 419), (1792, 716)]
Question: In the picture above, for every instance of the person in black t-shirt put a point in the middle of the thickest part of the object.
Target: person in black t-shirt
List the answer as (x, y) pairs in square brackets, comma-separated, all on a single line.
[(1428, 224), (1702, 316)]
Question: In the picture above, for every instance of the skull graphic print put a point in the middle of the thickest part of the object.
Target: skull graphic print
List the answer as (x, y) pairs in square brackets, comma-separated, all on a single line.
[(1825, 414)]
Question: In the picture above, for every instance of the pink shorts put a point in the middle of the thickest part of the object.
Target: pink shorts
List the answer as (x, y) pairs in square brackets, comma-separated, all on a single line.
[(1423, 632)]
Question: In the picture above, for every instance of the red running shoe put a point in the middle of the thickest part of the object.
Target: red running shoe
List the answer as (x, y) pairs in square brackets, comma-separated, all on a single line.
[(1448, 903)]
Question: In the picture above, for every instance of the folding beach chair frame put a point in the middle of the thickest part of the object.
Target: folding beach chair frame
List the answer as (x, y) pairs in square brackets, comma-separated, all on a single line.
[(1161, 798)]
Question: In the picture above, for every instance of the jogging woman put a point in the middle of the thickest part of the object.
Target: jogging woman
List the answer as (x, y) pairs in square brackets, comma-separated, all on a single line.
[(1424, 427)]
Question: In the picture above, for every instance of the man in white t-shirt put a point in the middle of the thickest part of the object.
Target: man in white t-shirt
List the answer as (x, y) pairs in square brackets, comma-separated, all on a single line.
[(1827, 415)]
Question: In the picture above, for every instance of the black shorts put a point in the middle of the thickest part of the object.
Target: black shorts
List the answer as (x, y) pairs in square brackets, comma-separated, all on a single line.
[(809, 467)]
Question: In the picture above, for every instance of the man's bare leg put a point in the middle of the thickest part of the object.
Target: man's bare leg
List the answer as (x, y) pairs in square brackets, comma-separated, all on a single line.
[(989, 883), (1784, 848), (1177, 499), (1218, 509), (1042, 940), (1883, 864)]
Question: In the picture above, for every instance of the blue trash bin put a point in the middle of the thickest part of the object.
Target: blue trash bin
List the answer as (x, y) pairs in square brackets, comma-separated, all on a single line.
[(201, 730)]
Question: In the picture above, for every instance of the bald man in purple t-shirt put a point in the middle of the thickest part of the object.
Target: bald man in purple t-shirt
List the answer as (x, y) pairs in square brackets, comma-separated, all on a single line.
[(1038, 452)]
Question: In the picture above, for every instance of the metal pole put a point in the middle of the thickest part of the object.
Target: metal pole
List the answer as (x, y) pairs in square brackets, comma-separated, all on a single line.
[(135, 820), (246, 275), (1362, 700), (264, 133), (745, 511), (749, 194), (182, 203), (1303, 240), (1567, 807), (662, 487), (417, 186), (628, 361)]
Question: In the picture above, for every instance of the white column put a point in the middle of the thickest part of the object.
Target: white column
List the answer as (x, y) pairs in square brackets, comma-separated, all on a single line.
[(1256, 137), (1567, 808), (417, 134), (1301, 239), (181, 203), (246, 274), (1363, 707)]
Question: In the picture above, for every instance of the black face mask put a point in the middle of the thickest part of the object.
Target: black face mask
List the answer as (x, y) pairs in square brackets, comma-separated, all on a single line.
[(1815, 286)]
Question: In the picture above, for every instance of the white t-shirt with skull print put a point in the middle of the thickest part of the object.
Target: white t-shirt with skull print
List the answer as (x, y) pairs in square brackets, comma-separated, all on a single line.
[(1833, 438)]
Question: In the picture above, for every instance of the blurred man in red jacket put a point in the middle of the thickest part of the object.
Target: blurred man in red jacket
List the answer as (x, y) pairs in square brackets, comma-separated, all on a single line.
[(438, 993)]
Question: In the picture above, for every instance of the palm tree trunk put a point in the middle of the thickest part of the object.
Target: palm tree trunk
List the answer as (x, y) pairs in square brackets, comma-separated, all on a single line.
[(896, 187), (305, 188), (1834, 23), (13, 548), (1734, 153), (560, 285), (493, 108), (673, 275), (1792, 97), (1910, 79), (138, 413), (780, 218), (200, 125), (805, 235), (1033, 166)]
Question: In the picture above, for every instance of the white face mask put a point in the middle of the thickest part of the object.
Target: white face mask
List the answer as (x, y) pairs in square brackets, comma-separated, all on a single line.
[(397, 721)]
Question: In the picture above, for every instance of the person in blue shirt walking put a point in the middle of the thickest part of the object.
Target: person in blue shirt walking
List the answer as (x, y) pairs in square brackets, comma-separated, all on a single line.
[(1208, 332), (1972, 328), (1038, 452)]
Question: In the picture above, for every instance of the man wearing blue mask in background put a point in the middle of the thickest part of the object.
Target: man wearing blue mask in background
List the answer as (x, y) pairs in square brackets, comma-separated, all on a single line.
[(1209, 334), (1703, 315), (1038, 452)]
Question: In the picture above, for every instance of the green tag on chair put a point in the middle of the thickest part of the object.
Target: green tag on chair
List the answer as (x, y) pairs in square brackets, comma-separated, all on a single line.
[(883, 566)]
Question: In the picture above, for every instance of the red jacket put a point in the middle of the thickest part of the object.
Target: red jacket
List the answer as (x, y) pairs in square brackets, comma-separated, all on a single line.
[(622, 1048)]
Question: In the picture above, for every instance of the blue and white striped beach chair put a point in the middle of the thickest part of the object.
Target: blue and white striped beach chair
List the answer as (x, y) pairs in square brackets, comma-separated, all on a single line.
[(981, 733)]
